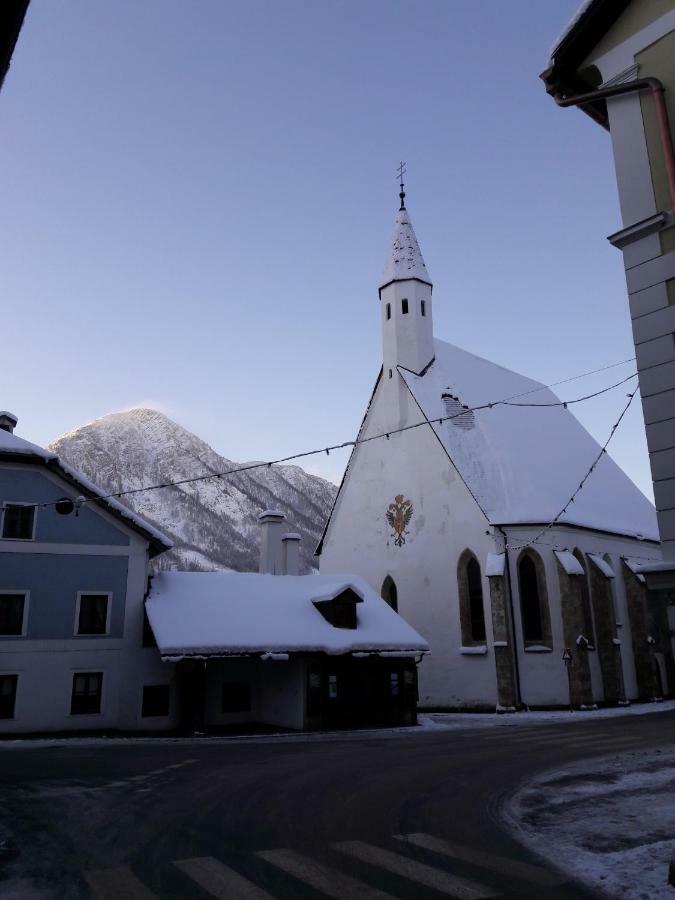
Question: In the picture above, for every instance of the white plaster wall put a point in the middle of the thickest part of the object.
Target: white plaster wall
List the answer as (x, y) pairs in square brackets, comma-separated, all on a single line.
[(282, 693), (407, 340), (446, 520)]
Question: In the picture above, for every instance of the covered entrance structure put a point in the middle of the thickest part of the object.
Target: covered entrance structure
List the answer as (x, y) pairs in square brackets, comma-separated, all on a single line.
[(298, 652)]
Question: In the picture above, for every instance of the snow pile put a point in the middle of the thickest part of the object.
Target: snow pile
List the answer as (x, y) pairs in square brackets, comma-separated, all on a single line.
[(523, 464), (235, 613), (608, 822)]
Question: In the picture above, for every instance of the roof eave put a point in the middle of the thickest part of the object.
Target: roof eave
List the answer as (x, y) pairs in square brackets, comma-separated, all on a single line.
[(562, 78), (411, 278)]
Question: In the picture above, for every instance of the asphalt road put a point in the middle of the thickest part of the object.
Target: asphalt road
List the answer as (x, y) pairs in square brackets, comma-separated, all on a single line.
[(411, 815)]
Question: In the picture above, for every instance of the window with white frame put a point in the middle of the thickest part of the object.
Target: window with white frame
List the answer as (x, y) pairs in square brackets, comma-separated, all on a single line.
[(13, 608), (93, 613), (86, 696), (18, 521)]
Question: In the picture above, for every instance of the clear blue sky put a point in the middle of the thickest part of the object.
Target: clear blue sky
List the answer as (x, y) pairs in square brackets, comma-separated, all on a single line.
[(197, 198)]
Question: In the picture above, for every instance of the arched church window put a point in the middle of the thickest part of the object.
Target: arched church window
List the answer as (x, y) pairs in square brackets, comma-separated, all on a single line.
[(389, 593), (404, 307), (423, 307), (389, 310), (586, 606), (471, 609), (535, 618)]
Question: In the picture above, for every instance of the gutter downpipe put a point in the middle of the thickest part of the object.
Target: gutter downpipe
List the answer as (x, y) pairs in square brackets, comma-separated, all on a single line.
[(640, 84), (516, 667)]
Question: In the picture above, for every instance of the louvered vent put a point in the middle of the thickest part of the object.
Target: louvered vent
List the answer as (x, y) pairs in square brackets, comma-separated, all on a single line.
[(459, 414)]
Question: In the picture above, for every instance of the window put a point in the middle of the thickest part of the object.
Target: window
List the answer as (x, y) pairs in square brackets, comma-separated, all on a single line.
[(12, 614), (156, 700), (148, 633), (475, 600), (389, 593), (388, 310), (86, 697), (236, 697), (404, 307), (471, 609), (533, 599), (423, 307), (92, 614), (332, 687), (393, 684), (586, 607), (18, 522), (7, 695), (390, 373)]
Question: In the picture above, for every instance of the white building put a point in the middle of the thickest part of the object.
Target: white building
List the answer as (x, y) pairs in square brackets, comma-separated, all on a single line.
[(278, 648), (441, 519)]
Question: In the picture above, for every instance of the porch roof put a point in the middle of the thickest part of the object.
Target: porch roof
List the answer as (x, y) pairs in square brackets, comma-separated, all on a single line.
[(244, 614)]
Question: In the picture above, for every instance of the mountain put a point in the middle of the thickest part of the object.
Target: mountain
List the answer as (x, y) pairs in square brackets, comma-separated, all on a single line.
[(213, 523)]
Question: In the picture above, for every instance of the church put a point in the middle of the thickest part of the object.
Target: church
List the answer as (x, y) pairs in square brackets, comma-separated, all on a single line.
[(456, 520)]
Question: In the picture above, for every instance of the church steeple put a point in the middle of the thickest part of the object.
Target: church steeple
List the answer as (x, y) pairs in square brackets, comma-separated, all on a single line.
[(405, 297)]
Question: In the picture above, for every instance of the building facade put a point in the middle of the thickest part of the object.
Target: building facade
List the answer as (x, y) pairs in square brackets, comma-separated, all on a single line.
[(617, 45), (616, 62), (72, 589), (448, 513)]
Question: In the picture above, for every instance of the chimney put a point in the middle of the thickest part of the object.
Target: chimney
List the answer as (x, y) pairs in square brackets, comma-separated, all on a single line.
[(290, 553), (271, 523), (8, 421)]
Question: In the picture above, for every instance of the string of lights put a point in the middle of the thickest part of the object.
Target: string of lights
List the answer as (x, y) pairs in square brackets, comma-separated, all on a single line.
[(583, 481), (67, 506)]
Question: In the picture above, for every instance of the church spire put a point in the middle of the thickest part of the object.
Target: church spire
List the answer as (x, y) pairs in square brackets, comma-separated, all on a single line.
[(404, 257), (405, 299)]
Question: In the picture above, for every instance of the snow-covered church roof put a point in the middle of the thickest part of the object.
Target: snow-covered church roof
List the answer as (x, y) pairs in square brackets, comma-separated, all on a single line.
[(243, 613), (523, 464), (404, 257)]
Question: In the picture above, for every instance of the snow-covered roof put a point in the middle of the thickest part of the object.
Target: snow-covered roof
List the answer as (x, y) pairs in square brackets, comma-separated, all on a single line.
[(571, 25), (601, 564), (12, 445), (404, 257), (242, 613), (569, 562), (523, 464), (495, 564)]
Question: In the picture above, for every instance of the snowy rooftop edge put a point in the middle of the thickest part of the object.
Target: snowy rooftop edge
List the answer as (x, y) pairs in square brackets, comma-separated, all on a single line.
[(245, 613), (14, 445)]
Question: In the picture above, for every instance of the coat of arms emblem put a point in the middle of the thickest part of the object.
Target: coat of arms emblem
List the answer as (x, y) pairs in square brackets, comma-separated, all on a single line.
[(398, 515)]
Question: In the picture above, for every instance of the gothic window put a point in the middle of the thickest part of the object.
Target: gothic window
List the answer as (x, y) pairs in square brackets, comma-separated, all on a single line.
[(586, 608), (404, 307), (534, 612), (471, 609), (423, 307), (389, 593), (389, 310)]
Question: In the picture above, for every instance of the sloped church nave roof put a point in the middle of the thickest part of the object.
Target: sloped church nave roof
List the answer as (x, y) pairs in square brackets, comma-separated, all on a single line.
[(522, 464)]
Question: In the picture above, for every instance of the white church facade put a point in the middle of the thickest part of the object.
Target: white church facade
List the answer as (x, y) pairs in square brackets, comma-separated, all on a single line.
[(446, 520)]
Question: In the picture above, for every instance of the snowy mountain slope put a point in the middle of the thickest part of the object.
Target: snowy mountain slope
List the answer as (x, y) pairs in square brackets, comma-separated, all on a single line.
[(213, 523)]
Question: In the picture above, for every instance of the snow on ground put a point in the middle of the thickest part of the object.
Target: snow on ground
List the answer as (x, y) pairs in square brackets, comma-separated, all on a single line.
[(513, 720), (609, 822)]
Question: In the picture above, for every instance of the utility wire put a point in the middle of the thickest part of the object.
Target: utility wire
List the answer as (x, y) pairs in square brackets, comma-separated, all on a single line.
[(583, 481), (295, 456)]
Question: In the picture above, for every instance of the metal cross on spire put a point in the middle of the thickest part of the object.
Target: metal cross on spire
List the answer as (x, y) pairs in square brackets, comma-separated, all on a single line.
[(399, 174)]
